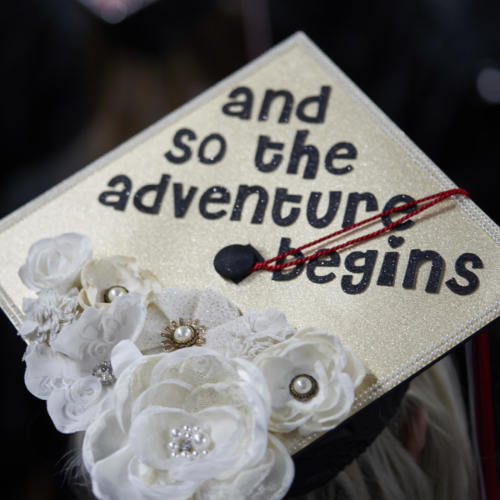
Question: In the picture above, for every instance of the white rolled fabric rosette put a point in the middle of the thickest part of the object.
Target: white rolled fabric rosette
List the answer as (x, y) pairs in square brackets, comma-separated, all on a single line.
[(187, 424), (55, 263), (73, 373)]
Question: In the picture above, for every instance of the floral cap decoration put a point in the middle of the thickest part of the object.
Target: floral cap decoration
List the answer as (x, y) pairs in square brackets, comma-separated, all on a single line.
[(178, 393)]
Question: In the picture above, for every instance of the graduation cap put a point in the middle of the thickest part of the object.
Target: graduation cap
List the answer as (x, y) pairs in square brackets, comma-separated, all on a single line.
[(248, 283)]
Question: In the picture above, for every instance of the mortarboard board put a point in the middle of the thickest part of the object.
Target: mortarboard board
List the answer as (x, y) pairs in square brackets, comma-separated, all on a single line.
[(282, 153)]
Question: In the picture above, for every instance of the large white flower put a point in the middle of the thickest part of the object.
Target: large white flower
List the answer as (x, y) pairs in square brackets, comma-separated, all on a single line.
[(187, 424), (55, 263), (311, 378), (74, 374), (105, 279), (45, 316)]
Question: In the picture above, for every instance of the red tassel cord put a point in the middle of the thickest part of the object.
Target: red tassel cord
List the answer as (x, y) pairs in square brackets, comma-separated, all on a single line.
[(428, 202)]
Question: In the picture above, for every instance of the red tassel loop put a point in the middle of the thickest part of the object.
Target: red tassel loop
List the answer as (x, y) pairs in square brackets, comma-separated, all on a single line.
[(428, 201)]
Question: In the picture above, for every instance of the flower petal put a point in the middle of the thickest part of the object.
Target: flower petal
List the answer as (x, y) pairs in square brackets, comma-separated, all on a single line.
[(157, 485), (103, 438), (91, 338), (269, 479), (47, 370), (168, 394), (55, 263), (100, 275), (134, 380), (123, 354), (193, 365), (73, 407), (354, 367), (110, 477), (248, 335), (209, 307)]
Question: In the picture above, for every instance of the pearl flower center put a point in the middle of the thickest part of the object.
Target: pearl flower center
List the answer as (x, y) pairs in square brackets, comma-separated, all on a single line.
[(303, 387), (114, 292), (189, 442), (183, 334)]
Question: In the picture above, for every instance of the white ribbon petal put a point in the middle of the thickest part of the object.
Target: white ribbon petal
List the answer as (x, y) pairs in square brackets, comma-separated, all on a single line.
[(123, 354)]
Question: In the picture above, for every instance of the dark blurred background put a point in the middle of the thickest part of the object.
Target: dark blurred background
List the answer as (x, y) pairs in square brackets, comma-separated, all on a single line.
[(75, 86)]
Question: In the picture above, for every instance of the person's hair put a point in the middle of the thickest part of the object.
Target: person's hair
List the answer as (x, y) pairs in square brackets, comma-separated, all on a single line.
[(388, 471)]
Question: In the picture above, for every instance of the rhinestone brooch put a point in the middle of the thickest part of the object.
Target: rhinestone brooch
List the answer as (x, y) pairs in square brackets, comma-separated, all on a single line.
[(183, 333), (104, 372)]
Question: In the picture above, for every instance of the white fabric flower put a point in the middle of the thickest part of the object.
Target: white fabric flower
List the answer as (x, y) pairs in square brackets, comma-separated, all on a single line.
[(225, 329), (55, 263), (250, 334), (187, 424), (100, 276), (311, 378), (71, 374), (208, 307), (45, 316)]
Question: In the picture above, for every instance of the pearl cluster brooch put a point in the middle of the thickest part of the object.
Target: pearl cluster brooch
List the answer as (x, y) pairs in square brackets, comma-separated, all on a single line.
[(184, 333), (189, 442)]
